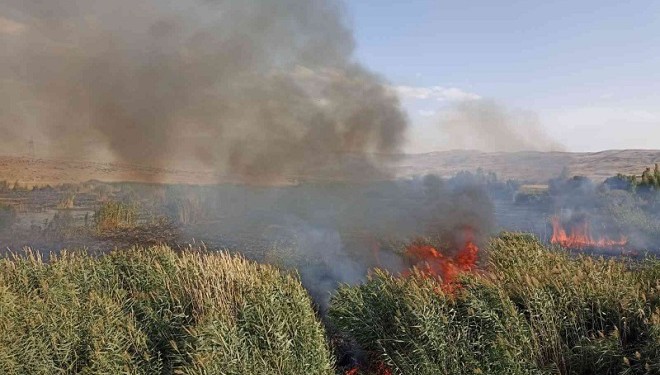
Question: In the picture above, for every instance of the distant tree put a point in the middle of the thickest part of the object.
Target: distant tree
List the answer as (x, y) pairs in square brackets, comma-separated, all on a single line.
[(646, 177), (620, 182)]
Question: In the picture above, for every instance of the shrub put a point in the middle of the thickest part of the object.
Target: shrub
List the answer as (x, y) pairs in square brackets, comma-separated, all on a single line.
[(147, 311), (115, 215)]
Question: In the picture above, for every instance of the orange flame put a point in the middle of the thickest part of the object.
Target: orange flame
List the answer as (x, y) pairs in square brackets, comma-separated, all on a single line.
[(432, 263), (580, 236)]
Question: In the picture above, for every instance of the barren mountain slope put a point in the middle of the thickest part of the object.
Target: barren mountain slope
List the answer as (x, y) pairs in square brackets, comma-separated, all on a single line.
[(530, 166)]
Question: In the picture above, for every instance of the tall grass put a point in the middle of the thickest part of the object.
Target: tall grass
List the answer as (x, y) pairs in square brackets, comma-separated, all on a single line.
[(154, 311), (413, 327), (531, 310), (115, 215), (587, 315), (67, 201)]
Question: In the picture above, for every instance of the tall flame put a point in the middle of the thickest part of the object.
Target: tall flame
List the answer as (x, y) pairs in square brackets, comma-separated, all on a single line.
[(579, 236), (432, 263)]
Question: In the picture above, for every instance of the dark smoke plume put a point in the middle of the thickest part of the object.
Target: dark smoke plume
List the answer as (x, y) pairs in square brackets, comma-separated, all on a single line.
[(487, 126), (256, 88)]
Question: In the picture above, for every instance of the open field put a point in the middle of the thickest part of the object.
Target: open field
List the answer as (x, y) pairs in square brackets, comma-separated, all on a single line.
[(532, 167), (40, 172)]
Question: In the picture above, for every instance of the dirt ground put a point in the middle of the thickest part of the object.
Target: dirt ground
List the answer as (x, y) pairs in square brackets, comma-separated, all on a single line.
[(40, 172)]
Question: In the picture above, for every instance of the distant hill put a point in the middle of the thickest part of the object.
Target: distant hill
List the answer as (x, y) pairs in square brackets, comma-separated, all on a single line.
[(536, 167), (532, 167)]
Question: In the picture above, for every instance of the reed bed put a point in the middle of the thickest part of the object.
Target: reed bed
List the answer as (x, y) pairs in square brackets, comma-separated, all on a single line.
[(531, 310), (155, 311), (116, 215)]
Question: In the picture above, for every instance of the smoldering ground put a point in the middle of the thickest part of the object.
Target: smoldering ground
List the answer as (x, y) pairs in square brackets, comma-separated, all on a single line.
[(257, 89)]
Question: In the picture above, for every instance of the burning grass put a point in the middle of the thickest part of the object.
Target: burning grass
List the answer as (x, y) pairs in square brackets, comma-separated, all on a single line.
[(526, 309), (587, 315), (149, 311), (430, 262), (532, 310), (580, 236)]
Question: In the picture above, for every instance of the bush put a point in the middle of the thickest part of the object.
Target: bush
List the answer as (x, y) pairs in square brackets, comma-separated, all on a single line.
[(148, 311)]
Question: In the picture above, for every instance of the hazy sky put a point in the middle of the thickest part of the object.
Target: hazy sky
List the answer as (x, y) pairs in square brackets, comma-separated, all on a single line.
[(589, 69)]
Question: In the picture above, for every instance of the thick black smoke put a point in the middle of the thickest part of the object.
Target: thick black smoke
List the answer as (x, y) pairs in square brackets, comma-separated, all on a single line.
[(256, 88)]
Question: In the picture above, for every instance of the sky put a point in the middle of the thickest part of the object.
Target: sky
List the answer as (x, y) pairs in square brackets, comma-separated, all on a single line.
[(587, 71)]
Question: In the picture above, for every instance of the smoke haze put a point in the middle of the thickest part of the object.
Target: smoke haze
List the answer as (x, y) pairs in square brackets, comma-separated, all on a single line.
[(487, 126), (258, 89), (333, 233)]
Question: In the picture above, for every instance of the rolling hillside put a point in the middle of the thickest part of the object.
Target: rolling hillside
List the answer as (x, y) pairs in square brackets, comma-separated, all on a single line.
[(532, 167)]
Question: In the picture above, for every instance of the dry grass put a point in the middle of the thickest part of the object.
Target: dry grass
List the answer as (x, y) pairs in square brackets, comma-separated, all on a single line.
[(115, 215), (531, 310), (67, 202)]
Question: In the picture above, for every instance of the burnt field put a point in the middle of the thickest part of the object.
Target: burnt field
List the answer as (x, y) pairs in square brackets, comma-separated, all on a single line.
[(247, 217), (326, 264), (362, 225)]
